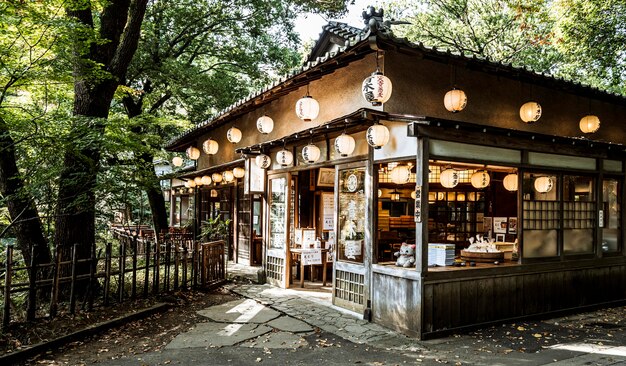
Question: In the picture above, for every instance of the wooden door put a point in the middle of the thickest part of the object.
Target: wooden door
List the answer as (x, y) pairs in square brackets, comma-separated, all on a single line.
[(277, 264)]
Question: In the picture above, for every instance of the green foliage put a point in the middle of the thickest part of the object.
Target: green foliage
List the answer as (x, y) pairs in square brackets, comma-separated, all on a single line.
[(214, 229)]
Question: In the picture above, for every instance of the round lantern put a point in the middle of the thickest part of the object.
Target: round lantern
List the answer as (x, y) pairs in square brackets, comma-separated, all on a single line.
[(480, 179), (177, 161), (198, 181), (193, 153), (307, 108), (449, 178), (213, 193), (344, 145), (530, 112), (233, 135), (413, 194), (263, 161), (400, 174), (187, 184), (510, 182), (455, 100), (311, 153), (217, 178), (210, 147), (376, 88), (190, 190), (380, 193), (265, 124), (284, 157), (228, 176), (190, 183), (589, 123), (543, 184), (377, 136), (239, 172), (206, 180)]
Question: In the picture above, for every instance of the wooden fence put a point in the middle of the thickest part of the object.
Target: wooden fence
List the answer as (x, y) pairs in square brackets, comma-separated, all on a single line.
[(130, 269)]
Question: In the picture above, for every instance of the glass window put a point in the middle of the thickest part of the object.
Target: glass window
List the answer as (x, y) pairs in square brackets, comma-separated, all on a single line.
[(541, 214), (611, 212), (578, 214), (351, 243), (278, 213)]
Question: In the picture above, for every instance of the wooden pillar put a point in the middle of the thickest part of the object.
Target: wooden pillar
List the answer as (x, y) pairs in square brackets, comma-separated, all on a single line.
[(421, 224)]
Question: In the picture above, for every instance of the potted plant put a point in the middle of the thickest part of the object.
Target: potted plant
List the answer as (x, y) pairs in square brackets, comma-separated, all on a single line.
[(214, 229)]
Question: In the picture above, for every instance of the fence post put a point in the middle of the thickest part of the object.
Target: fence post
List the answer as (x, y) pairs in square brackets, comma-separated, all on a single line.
[(107, 272), (176, 264), (32, 286), (93, 268), (73, 284), (122, 268), (157, 265), (168, 260), (146, 279), (6, 315), (185, 254), (55, 283), (133, 292)]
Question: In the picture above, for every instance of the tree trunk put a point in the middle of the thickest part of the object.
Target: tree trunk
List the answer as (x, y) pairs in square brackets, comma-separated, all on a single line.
[(155, 195)]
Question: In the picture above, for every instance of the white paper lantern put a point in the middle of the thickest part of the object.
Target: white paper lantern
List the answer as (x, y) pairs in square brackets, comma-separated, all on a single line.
[(449, 178), (530, 112), (187, 184), (239, 172), (263, 161), (206, 180), (284, 157), (265, 124), (413, 194), (380, 193), (210, 146), (233, 135), (455, 100), (510, 182), (190, 190), (198, 181), (311, 153), (307, 108), (544, 184), (589, 123), (228, 176), (190, 183), (217, 178), (376, 88), (344, 145), (177, 161), (193, 152), (480, 179), (377, 136), (400, 174)]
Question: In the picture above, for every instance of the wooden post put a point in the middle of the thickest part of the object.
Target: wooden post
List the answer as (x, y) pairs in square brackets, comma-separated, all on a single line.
[(133, 292), (73, 283), (194, 264), (185, 254), (107, 272), (146, 279), (157, 264), (32, 287), (176, 264), (122, 268), (93, 268), (55, 283), (6, 314), (168, 260)]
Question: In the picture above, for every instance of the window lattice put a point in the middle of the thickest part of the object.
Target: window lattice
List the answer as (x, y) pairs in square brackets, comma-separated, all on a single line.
[(275, 267), (349, 287)]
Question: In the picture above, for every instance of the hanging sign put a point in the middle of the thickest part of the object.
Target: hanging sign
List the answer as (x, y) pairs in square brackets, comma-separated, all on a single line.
[(418, 203), (352, 249), (328, 201), (311, 256)]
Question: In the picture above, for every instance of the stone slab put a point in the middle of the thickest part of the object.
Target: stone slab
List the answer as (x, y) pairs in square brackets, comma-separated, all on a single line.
[(289, 324), (217, 335), (276, 340), (240, 311)]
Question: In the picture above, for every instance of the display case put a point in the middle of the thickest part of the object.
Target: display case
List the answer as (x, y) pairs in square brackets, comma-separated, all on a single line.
[(455, 216)]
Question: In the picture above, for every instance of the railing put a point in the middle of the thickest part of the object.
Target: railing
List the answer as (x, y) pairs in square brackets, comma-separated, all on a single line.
[(130, 269)]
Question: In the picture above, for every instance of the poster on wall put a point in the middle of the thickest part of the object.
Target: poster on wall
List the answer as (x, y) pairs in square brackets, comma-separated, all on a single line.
[(328, 214), (512, 225), (352, 249), (311, 256), (500, 225), (255, 178)]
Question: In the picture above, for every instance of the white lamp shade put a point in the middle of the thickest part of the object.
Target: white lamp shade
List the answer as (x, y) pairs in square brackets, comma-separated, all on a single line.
[(228, 176), (284, 157), (455, 100), (376, 88), (413, 194), (206, 180), (263, 161), (380, 193), (233, 135), (344, 145), (311, 153), (449, 178), (190, 183), (216, 177), (210, 146), (307, 108), (187, 184), (265, 124), (198, 181), (510, 182), (177, 161), (239, 172), (377, 136), (193, 152), (400, 174), (480, 179), (589, 123), (530, 112), (543, 184)]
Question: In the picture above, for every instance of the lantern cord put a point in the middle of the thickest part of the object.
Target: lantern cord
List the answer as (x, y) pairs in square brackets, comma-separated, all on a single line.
[(307, 90)]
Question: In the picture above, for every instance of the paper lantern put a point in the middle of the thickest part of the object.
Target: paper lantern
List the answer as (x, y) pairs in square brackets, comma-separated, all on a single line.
[(213, 193), (206, 180), (413, 194), (239, 172), (544, 184), (193, 153), (344, 145), (530, 112), (210, 146), (187, 184), (394, 195), (480, 179), (455, 100), (198, 181), (177, 161), (284, 157), (380, 193), (449, 178), (311, 153), (190, 183), (217, 178), (377, 136), (228, 176), (233, 135), (263, 161), (589, 123), (376, 88), (265, 125), (510, 182), (307, 108), (190, 190), (400, 174)]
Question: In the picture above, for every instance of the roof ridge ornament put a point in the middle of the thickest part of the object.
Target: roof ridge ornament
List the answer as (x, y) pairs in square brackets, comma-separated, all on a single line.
[(374, 22)]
